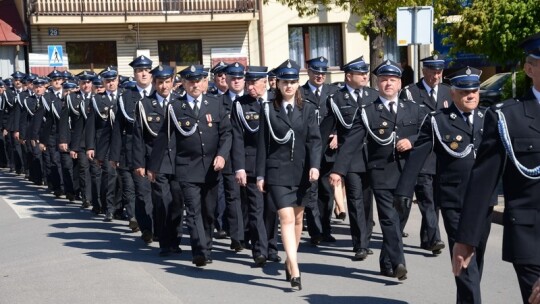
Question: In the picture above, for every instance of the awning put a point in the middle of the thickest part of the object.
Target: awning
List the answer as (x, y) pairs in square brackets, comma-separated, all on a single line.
[(11, 27)]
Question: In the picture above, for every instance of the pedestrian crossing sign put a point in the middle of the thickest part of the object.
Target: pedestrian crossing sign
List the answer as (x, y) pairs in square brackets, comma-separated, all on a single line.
[(55, 56)]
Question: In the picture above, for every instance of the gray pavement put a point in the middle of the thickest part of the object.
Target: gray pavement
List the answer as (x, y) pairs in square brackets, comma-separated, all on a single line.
[(53, 252)]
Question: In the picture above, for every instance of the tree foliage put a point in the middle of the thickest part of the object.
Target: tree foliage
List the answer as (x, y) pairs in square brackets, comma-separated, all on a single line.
[(494, 28)]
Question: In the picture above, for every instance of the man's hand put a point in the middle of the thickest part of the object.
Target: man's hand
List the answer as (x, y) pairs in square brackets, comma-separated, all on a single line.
[(260, 185), (402, 203), (16, 135), (335, 179), (63, 147), (313, 174), (42, 147), (139, 172), (535, 295), (73, 154), (403, 145), (241, 177), (113, 164), (90, 154), (461, 257), (219, 163), (5, 132), (333, 143), (151, 176)]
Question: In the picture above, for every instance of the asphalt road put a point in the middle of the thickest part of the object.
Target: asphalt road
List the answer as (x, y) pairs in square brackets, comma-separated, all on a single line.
[(52, 251)]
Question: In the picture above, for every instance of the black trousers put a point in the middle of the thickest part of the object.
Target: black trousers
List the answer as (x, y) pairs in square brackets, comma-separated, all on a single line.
[(527, 276), (144, 207), (128, 190), (67, 173), (392, 246), (14, 153), (95, 185), (233, 208), (360, 210), (36, 166), (168, 195), (3, 150), (82, 176), (51, 159), (108, 187), (200, 202), (468, 283), (253, 200)]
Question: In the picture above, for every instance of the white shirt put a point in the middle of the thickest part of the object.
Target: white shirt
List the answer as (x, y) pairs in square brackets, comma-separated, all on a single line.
[(191, 101), (161, 100), (386, 103), (428, 89), (233, 96), (286, 103), (148, 90), (314, 88), (353, 94), (471, 117), (115, 94)]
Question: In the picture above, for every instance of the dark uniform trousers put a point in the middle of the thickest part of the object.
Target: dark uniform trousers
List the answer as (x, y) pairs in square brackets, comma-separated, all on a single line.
[(13, 146), (161, 209), (193, 162), (246, 110), (452, 176), (98, 135), (3, 122), (357, 184), (384, 166), (521, 218), (429, 228)]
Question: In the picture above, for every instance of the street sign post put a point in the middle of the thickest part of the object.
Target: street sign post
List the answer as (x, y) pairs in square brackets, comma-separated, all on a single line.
[(55, 55)]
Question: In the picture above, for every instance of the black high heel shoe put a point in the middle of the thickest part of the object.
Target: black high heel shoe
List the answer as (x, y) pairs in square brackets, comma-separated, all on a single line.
[(342, 216), (296, 282)]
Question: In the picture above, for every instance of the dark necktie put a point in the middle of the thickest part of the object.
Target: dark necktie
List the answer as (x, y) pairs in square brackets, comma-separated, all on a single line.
[(195, 107), (432, 96), (144, 93), (289, 112), (58, 95), (317, 93), (392, 111), (112, 97), (467, 120), (357, 93), (164, 102)]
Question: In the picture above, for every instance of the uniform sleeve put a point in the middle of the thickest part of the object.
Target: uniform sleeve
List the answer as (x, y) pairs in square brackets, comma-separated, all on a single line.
[(90, 130), (161, 143), (328, 124), (37, 122), (260, 169), (116, 137), (352, 141), (63, 126), (139, 147), (415, 162), (225, 134), (313, 141), (238, 153), (487, 169)]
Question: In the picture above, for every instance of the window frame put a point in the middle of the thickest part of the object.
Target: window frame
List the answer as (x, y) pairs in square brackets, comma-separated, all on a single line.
[(91, 45), (178, 42)]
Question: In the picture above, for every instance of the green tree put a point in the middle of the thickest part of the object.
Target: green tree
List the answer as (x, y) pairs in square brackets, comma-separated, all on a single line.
[(378, 18), (494, 28)]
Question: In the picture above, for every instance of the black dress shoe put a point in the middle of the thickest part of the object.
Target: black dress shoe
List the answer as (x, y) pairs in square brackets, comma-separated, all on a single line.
[(236, 246), (387, 272), (209, 260), (369, 251), (85, 204), (70, 197), (165, 252), (400, 272), (360, 255), (199, 261), (437, 246), (329, 239), (316, 240), (221, 234), (147, 236), (108, 217), (404, 234), (58, 193), (296, 282), (274, 258), (176, 249), (260, 260), (133, 225), (96, 210)]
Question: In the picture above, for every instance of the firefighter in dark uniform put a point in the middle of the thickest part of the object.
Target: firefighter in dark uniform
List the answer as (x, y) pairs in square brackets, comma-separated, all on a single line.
[(12, 111), (122, 135), (343, 107), (164, 200), (434, 95), (453, 134), (3, 118), (98, 133), (509, 149), (392, 127), (31, 104), (245, 113), (321, 197), (25, 145), (219, 85), (202, 129)]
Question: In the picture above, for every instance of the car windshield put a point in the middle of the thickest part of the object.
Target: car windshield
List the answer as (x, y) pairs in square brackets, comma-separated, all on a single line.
[(495, 82)]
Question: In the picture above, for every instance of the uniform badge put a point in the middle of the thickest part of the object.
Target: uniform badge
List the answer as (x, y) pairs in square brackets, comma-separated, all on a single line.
[(480, 114), (205, 102), (256, 116), (459, 138), (106, 108), (154, 103), (381, 131), (381, 107), (366, 92), (447, 137), (183, 106), (453, 116), (384, 123), (187, 123), (158, 118), (209, 120), (102, 96), (346, 96), (401, 105), (179, 123), (248, 117), (445, 104), (499, 105), (454, 145), (149, 118)]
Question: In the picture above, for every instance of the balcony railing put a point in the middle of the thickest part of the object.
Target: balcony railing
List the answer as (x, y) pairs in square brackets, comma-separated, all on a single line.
[(138, 7)]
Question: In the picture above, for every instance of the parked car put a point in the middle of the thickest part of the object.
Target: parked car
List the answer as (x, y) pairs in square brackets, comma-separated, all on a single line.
[(491, 89)]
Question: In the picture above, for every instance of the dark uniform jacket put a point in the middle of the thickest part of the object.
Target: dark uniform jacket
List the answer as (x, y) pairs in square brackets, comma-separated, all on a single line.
[(452, 173), (285, 164), (349, 109), (99, 124), (45, 124), (71, 120), (321, 111), (385, 163), (418, 93), (12, 110), (245, 115), (78, 126), (227, 104), (31, 105), (195, 153), (521, 219), (150, 118)]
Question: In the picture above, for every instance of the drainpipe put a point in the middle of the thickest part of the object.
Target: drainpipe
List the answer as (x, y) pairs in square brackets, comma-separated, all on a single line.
[(262, 56), (27, 48)]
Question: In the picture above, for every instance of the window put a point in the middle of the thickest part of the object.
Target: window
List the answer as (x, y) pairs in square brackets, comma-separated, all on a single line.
[(180, 52), (91, 55), (310, 41)]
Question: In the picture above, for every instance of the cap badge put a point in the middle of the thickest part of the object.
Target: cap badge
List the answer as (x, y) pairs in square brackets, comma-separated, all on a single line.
[(388, 62), (468, 71), (289, 64), (160, 68), (142, 57), (435, 57), (321, 59), (192, 68), (236, 64)]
